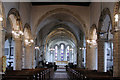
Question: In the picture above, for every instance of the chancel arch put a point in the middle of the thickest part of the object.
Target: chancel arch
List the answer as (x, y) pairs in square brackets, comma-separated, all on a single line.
[(62, 38)]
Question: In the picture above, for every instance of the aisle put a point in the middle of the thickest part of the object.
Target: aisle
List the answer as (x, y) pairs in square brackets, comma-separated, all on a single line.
[(60, 74)]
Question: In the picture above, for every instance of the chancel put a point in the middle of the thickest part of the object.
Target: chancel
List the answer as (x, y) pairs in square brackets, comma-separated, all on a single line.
[(59, 40), (61, 50)]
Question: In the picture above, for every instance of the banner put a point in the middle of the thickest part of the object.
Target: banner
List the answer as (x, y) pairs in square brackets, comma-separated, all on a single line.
[(3, 63)]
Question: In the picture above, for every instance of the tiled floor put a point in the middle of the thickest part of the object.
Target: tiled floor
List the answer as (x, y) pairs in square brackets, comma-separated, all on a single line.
[(60, 74)]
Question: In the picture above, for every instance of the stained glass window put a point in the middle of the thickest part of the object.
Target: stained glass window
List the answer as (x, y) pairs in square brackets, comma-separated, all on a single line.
[(56, 51), (62, 52), (68, 48)]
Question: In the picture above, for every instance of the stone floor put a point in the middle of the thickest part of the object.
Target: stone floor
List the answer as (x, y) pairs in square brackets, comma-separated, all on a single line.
[(60, 74)]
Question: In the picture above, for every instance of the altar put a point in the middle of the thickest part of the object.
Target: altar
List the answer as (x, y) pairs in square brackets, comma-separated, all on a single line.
[(61, 63)]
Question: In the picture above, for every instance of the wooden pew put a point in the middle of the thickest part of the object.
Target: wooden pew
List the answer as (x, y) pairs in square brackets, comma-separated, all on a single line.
[(19, 75), (29, 74), (82, 74)]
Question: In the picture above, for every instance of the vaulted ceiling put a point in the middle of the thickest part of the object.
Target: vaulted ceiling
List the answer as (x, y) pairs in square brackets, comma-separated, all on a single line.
[(61, 3)]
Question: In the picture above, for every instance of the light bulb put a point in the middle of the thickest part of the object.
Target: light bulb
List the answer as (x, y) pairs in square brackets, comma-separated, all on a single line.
[(20, 32), (1, 18), (94, 41), (37, 47), (31, 41), (116, 17), (26, 41), (13, 32), (88, 41)]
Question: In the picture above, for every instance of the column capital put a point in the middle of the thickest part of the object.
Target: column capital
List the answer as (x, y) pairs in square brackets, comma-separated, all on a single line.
[(18, 39)]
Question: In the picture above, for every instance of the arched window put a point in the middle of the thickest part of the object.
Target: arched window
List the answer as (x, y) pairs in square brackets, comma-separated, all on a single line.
[(9, 53), (62, 52), (68, 49), (56, 52)]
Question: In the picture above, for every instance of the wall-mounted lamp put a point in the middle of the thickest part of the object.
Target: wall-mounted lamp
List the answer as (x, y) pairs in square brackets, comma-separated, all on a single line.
[(20, 32), (93, 42), (84, 48), (37, 48), (17, 33), (116, 18), (1, 18), (117, 24), (29, 41)]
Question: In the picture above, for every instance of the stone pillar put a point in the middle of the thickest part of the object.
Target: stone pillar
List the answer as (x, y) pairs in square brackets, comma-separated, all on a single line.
[(91, 57), (78, 64), (116, 54), (2, 41), (18, 54), (37, 58), (79, 57), (101, 55), (87, 55), (33, 55), (28, 58)]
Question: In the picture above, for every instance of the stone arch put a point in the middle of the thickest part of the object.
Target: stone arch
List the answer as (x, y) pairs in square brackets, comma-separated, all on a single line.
[(28, 47), (61, 29), (55, 32), (27, 26), (103, 38), (62, 10), (27, 32), (16, 15), (104, 13), (14, 26), (13, 11), (93, 27), (56, 45)]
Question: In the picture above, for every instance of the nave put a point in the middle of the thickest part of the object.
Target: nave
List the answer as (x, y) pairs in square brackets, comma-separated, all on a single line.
[(37, 40), (60, 74)]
